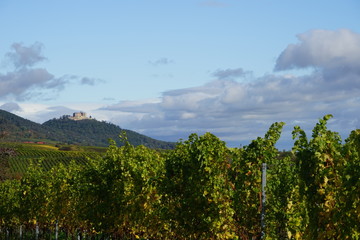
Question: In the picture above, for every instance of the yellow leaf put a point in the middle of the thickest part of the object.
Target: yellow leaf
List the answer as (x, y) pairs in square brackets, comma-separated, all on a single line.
[(321, 191), (289, 234), (290, 203), (325, 180)]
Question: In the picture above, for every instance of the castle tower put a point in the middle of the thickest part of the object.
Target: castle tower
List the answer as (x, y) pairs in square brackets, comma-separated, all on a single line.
[(79, 116)]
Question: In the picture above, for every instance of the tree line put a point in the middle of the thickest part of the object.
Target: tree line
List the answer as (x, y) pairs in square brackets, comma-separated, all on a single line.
[(199, 190)]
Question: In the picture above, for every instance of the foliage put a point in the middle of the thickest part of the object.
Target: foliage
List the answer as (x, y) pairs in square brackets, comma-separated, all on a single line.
[(5, 154), (9, 203), (348, 198), (117, 193), (324, 166), (246, 174), (199, 190)]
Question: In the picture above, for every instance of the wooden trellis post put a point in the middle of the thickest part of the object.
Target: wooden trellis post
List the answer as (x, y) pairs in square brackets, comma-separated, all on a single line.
[(263, 200)]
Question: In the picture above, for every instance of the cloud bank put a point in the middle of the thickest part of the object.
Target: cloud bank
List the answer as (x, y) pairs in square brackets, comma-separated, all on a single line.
[(237, 111), (27, 82)]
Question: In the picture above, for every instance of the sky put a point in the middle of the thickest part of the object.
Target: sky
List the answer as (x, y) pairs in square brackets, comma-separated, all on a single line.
[(167, 69)]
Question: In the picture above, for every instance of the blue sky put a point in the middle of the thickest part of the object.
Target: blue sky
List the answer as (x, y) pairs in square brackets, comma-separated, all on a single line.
[(170, 68)]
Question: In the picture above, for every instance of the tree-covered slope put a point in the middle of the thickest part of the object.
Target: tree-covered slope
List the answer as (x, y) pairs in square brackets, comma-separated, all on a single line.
[(88, 132), (97, 133), (15, 128)]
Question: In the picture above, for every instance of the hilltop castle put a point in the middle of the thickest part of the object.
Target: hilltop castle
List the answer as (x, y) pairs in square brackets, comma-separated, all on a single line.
[(79, 116)]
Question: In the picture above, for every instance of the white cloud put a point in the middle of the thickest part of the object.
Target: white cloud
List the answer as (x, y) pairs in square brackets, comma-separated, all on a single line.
[(26, 82), (22, 84), (23, 56), (324, 49)]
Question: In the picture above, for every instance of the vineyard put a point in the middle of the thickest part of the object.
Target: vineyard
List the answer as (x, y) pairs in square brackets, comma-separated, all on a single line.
[(45, 155), (199, 190), (48, 159)]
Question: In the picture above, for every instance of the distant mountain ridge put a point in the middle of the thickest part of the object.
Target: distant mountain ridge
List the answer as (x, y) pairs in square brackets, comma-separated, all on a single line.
[(87, 132)]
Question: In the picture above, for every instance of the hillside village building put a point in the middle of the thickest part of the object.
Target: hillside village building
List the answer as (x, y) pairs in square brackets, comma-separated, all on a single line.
[(79, 116)]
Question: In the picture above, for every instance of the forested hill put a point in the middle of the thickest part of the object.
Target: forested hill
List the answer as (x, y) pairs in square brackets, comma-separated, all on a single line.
[(97, 133), (87, 132), (15, 128)]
